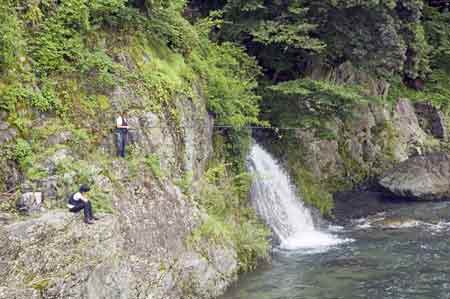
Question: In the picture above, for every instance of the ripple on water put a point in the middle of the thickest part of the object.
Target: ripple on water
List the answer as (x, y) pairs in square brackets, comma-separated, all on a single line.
[(403, 254)]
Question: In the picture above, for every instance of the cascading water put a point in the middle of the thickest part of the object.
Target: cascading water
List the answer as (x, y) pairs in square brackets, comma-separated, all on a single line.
[(275, 201)]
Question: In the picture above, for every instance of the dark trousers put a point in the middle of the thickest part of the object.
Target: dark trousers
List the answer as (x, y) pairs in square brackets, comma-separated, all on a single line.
[(82, 205), (121, 139)]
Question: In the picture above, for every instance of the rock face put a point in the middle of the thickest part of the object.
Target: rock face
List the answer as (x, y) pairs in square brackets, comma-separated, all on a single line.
[(342, 152), (367, 144), (432, 120), (346, 73), (421, 177), (30, 202), (143, 249), (139, 253), (6, 132)]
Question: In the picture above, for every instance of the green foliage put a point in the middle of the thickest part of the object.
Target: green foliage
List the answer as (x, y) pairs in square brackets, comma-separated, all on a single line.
[(169, 26), (231, 147), (276, 32), (231, 77), (77, 172), (11, 38), (185, 183), (230, 220), (438, 35), (101, 200), (312, 191), (152, 161), (23, 153), (286, 36), (308, 103), (437, 91)]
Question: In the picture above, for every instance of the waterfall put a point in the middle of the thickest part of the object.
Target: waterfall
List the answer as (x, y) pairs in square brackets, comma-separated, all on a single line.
[(276, 202)]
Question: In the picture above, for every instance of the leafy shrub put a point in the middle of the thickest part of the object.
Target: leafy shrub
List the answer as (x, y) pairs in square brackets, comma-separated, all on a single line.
[(152, 161), (230, 220), (11, 37), (231, 77), (23, 153)]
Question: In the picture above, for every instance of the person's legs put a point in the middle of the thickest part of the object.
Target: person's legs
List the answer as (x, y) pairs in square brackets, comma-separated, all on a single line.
[(76, 208), (119, 142), (87, 210), (124, 142)]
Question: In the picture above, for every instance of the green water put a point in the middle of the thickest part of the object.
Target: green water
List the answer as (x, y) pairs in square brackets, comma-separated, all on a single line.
[(404, 253)]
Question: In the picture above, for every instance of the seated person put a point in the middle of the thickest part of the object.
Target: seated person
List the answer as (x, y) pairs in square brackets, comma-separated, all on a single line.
[(78, 201)]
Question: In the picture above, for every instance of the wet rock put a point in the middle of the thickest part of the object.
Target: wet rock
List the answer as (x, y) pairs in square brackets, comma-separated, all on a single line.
[(322, 155), (7, 135), (140, 251), (421, 177)]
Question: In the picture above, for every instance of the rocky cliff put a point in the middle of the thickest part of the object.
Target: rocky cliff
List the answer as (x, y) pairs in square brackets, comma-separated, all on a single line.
[(141, 247), (341, 152)]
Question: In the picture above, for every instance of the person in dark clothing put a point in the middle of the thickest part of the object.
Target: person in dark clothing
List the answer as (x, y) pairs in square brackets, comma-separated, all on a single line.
[(122, 133), (78, 201)]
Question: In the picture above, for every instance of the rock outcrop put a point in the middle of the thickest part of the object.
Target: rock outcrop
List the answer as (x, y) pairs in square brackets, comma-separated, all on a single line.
[(420, 177), (432, 120), (142, 249), (370, 142), (139, 252), (342, 152)]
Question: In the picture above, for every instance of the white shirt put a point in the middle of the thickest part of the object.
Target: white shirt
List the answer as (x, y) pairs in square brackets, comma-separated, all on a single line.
[(119, 121), (77, 196)]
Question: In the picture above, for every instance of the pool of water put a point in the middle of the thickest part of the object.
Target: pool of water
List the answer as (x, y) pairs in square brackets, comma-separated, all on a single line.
[(403, 253)]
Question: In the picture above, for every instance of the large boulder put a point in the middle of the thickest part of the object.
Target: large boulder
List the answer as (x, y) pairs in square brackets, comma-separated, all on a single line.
[(420, 177)]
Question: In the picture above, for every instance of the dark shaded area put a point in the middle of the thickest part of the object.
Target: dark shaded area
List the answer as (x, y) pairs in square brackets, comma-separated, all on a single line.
[(350, 205), (416, 84), (441, 4)]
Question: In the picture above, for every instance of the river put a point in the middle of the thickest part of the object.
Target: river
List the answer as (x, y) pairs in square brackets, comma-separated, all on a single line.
[(401, 253)]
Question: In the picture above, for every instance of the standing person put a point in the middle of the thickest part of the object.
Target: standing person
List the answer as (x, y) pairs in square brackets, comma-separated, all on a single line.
[(78, 201), (122, 133)]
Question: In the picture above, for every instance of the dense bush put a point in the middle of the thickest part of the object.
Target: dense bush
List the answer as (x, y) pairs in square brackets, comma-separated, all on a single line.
[(230, 218)]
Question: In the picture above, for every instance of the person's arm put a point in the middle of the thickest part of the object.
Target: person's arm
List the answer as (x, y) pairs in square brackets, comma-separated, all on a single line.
[(78, 196), (84, 198)]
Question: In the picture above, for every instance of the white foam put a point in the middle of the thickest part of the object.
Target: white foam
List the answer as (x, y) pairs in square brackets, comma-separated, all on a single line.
[(312, 239), (275, 200)]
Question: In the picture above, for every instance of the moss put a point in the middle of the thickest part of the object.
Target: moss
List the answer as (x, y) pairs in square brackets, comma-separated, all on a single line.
[(228, 218), (153, 162), (41, 285), (355, 171), (313, 191)]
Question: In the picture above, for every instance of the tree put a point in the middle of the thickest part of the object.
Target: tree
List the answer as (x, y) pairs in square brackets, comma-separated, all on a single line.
[(276, 32)]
